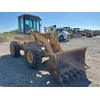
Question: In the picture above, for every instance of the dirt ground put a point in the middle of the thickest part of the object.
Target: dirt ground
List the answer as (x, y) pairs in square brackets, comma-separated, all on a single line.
[(14, 72)]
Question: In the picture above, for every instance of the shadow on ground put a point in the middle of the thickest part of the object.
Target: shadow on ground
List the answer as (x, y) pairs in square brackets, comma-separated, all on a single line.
[(15, 73)]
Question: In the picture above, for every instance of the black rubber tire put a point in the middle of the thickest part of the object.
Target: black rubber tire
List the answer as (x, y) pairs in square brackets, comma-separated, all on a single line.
[(61, 38), (37, 53), (16, 49)]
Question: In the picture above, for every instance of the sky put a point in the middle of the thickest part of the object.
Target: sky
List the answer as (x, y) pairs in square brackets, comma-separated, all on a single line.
[(87, 20)]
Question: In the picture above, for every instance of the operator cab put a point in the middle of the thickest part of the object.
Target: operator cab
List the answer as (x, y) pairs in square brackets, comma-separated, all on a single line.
[(28, 23)]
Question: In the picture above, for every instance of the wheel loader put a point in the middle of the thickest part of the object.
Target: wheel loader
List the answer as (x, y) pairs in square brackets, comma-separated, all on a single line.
[(87, 33), (36, 45)]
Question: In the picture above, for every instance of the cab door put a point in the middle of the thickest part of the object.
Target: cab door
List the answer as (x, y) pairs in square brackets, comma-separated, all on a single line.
[(23, 34)]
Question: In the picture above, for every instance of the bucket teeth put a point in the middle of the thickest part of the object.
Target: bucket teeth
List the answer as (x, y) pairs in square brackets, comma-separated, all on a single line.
[(76, 72), (72, 75), (77, 75), (80, 72), (66, 75), (65, 78), (73, 78)]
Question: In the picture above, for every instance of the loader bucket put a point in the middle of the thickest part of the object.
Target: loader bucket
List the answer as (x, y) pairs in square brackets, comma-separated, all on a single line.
[(64, 65)]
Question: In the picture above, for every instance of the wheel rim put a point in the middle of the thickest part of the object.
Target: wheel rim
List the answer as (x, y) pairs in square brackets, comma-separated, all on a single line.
[(29, 56), (61, 38), (12, 50)]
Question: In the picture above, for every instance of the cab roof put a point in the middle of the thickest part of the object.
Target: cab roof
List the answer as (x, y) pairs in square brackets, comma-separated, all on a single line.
[(23, 15)]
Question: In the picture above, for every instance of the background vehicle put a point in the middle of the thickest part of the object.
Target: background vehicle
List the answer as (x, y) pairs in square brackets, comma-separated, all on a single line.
[(87, 33), (62, 33)]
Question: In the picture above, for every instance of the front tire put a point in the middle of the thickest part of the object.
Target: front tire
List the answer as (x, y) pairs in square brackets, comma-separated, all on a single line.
[(33, 55)]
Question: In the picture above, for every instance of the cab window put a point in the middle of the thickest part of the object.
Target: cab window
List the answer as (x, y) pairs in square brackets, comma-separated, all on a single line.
[(28, 24)]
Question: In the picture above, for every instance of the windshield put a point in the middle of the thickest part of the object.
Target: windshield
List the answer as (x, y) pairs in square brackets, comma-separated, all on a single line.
[(29, 24), (32, 25)]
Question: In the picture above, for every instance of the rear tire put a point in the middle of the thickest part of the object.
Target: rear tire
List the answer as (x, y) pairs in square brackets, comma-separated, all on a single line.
[(15, 49), (33, 55)]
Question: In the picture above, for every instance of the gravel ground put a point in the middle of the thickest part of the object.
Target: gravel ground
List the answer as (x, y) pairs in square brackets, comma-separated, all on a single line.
[(15, 73)]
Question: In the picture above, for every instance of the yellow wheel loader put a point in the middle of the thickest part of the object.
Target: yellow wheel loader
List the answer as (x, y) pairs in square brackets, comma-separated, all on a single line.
[(36, 45)]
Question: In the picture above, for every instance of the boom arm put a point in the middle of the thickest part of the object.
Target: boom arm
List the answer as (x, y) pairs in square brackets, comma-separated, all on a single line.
[(52, 44)]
